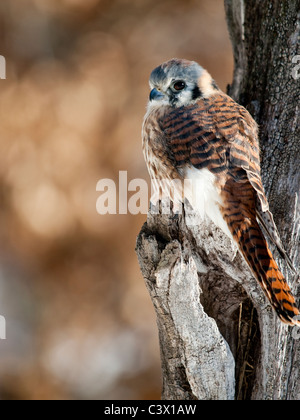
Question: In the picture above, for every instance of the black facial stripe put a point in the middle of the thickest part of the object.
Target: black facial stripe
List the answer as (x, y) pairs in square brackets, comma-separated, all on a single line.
[(173, 99), (214, 85), (196, 93)]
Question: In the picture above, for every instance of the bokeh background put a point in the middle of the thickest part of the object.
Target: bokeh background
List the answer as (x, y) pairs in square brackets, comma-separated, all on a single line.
[(80, 323)]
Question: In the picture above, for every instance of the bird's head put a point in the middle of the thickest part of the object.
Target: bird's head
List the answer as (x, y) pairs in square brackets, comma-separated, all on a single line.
[(180, 83)]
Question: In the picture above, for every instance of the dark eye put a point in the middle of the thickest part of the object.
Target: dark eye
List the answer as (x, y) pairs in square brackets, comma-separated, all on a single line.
[(179, 85)]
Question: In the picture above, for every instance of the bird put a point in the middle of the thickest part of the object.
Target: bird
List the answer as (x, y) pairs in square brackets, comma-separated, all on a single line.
[(193, 130)]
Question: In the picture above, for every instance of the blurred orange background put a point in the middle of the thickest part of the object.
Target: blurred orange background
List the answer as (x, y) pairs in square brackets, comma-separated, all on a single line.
[(79, 321)]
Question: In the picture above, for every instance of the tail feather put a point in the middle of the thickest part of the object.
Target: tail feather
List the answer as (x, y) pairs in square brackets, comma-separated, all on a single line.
[(268, 224), (256, 252)]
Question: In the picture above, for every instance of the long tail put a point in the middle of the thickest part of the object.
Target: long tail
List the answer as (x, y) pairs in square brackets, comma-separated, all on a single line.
[(257, 254)]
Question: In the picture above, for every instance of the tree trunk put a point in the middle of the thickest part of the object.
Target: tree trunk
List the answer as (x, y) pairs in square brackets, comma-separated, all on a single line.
[(219, 337)]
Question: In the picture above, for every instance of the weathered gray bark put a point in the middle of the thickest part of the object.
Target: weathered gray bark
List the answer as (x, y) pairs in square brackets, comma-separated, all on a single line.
[(219, 337), (266, 82)]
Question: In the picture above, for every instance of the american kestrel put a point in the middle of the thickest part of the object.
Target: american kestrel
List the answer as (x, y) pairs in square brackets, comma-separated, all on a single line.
[(192, 130)]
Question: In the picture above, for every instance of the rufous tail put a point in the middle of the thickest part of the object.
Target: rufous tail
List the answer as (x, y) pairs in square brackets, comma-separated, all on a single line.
[(254, 247)]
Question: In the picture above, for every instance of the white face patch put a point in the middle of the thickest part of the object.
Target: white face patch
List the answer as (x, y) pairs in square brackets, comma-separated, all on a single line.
[(164, 77), (185, 97), (198, 83), (177, 99)]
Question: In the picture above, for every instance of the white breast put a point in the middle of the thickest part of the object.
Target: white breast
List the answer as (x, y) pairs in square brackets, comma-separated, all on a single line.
[(203, 195)]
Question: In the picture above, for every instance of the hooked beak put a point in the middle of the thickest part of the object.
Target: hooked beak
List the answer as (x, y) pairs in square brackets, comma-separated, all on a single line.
[(156, 95)]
